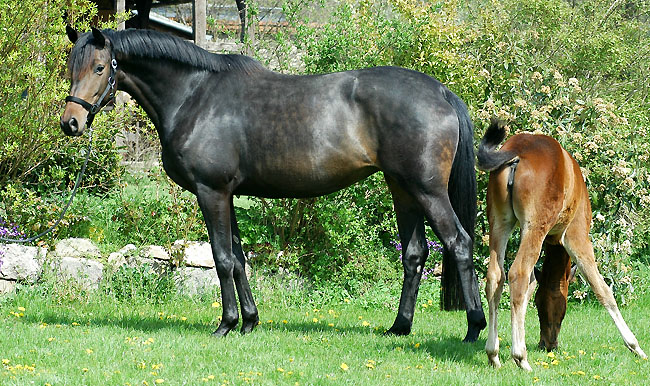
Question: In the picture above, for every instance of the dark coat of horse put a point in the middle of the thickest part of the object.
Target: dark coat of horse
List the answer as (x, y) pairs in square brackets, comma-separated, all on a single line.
[(536, 183), (229, 126)]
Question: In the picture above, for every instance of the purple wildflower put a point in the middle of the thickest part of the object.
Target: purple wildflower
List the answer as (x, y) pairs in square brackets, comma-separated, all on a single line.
[(7, 231)]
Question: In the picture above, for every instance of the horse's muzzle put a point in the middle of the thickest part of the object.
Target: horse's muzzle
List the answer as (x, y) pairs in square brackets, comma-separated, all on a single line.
[(71, 127)]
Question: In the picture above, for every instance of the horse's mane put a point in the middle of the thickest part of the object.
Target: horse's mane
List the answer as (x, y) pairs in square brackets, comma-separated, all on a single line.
[(149, 44)]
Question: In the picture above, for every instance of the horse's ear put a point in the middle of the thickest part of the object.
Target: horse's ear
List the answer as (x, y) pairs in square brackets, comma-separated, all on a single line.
[(572, 274), (100, 39), (72, 33)]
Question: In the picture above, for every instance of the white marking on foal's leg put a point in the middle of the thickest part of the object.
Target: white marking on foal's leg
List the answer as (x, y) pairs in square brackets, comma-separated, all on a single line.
[(628, 337)]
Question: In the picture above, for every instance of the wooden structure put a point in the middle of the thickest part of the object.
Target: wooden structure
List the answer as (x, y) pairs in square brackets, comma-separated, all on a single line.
[(107, 8)]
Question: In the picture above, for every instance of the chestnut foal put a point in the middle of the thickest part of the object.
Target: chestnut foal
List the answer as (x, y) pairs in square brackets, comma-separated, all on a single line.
[(535, 182)]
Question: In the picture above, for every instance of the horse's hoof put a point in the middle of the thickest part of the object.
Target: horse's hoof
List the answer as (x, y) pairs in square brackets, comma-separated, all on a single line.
[(523, 364), (494, 361), (220, 333), (397, 331), (249, 326)]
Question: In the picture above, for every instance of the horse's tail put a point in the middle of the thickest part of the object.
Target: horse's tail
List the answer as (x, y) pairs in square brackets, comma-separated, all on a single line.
[(489, 158), (462, 181)]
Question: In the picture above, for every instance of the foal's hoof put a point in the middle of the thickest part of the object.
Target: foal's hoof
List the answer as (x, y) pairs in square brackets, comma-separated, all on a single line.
[(494, 361), (224, 328)]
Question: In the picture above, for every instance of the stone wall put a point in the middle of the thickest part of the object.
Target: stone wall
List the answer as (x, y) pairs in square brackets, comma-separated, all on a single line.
[(80, 260)]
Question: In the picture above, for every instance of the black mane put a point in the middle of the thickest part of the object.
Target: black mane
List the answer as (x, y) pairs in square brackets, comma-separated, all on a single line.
[(157, 45)]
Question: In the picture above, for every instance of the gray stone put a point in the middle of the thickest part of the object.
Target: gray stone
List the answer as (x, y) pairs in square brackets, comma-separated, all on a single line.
[(196, 281), (23, 263), (76, 247), (127, 250), (197, 254), (86, 272), (116, 260), (7, 286), (154, 252)]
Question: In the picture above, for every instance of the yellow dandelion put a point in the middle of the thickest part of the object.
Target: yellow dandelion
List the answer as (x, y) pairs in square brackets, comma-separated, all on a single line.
[(5, 361), (156, 366), (21, 309), (535, 379), (284, 321), (315, 320), (346, 300), (581, 352), (183, 318), (159, 381), (89, 351), (417, 345), (555, 362), (269, 321), (280, 369), (330, 324), (370, 365), (596, 376), (50, 339), (551, 354), (344, 367), (216, 305), (210, 377), (85, 370), (365, 323), (580, 372)]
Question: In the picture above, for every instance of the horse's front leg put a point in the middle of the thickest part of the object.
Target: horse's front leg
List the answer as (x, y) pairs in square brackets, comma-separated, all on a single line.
[(248, 309), (215, 206)]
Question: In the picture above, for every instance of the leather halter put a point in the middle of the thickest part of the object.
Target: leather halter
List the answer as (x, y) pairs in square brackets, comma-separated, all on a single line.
[(97, 106)]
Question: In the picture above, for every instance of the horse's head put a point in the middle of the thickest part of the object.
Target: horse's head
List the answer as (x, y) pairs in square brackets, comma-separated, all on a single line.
[(551, 301), (92, 68)]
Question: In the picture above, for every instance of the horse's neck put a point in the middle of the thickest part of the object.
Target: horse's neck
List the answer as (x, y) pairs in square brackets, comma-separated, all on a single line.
[(159, 88)]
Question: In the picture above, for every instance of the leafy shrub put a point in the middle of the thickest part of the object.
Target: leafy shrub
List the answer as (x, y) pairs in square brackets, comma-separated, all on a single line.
[(549, 66), (140, 282)]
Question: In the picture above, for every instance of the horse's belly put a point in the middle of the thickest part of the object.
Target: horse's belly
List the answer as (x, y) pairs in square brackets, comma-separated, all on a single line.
[(297, 184)]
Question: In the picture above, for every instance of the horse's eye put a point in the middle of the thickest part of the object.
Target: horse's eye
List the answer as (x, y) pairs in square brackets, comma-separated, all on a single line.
[(99, 69)]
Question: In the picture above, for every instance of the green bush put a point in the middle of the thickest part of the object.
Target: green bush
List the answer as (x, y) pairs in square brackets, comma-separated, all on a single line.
[(570, 70), (37, 162)]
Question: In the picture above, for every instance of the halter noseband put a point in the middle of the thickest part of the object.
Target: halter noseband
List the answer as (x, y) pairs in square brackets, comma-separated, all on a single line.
[(97, 106)]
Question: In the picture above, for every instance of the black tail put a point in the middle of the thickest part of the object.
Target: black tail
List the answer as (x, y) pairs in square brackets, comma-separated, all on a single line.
[(488, 158), (462, 181), (462, 194)]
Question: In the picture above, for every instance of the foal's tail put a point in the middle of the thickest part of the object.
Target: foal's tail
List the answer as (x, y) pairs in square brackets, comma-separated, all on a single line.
[(462, 181), (489, 158)]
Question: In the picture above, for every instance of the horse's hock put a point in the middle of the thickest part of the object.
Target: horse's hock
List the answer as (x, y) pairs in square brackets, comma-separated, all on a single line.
[(80, 261)]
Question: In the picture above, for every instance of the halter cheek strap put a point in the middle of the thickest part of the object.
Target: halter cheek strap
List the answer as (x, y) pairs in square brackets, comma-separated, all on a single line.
[(97, 106)]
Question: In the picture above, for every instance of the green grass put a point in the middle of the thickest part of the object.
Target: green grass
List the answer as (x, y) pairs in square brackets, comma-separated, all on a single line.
[(68, 339)]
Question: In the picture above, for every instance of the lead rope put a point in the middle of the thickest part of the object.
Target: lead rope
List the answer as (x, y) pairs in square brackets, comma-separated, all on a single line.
[(65, 209)]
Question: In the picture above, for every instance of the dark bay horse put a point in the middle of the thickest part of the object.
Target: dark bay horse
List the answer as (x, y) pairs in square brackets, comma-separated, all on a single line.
[(536, 183), (229, 126)]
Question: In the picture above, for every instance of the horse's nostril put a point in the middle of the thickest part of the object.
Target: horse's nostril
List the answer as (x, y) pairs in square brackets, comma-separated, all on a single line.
[(74, 125)]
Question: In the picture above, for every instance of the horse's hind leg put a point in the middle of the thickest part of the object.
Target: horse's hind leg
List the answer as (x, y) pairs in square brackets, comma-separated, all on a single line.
[(410, 224), (440, 214), (249, 313), (578, 245), (501, 226), (530, 247)]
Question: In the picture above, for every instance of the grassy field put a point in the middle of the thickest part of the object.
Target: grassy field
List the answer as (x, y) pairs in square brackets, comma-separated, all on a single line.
[(93, 339)]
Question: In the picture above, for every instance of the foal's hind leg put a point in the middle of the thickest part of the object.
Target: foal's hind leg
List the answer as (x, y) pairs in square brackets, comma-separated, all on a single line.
[(530, 247), (577, 243), (250, 317), (410, 223), (501, 227)]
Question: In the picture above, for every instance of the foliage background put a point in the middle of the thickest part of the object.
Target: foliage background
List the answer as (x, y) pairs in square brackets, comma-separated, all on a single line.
[(576, 70)]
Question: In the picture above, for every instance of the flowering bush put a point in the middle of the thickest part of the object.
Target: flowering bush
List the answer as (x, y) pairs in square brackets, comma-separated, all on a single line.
[(7, 231)]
